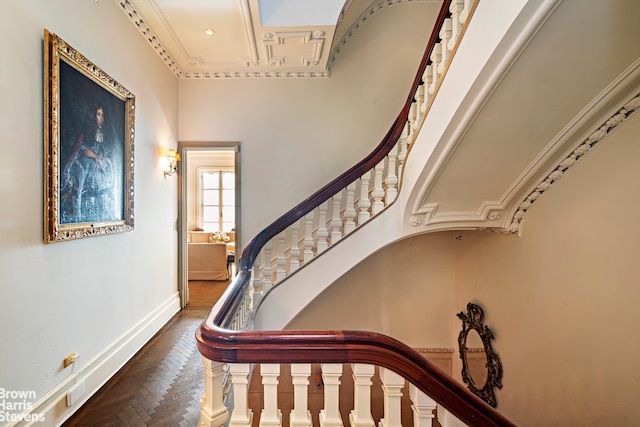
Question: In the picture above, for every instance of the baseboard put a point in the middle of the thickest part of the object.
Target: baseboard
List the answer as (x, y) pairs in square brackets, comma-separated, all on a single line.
[(95, 373)]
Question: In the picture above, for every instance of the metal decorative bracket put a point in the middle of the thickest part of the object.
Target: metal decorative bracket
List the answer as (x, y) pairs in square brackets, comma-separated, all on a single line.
[(481, 367)]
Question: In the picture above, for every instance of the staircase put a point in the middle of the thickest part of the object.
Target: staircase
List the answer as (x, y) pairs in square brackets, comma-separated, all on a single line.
[(242, 340)]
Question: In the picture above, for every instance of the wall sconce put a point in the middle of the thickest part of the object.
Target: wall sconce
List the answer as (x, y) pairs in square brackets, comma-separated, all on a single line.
[(173, 157)]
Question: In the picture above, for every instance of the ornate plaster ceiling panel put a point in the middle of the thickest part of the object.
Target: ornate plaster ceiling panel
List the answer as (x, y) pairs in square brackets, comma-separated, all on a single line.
[(230, 38)]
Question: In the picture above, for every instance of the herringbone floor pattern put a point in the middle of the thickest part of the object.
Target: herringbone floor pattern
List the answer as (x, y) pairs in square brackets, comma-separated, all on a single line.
[(162, 384)]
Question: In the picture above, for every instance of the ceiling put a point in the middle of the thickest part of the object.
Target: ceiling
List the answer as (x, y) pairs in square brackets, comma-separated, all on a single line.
[(525, 121), (249, 38)]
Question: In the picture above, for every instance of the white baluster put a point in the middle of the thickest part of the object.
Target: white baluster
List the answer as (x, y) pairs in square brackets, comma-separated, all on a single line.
[(415, 105), (335, 222), (413, 122), (246, 308), (330, 415), (271, 415), (281, 261), (239, 319), (300, 414), (377, 193), (322, 234), (213, 413), (464, 15), (241, 315), (423, 407), (447, 419), (361, 414), (267, 270), (258, 290), (456, 8), (391, 180), (364, 203), (403, 147), (294, 250), (349, 213), (427, 78), (307, 255), (420, 101), (241, 416), (445, 36), (392, 384), (436, 56)]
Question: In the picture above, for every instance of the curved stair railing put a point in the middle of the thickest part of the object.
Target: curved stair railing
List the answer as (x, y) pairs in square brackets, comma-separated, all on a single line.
[(230, 349), (366, 189)]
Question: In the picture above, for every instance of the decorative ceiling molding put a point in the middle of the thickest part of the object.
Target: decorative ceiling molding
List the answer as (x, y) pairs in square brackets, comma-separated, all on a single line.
[(313, 41), (558, 172), (148, 34)]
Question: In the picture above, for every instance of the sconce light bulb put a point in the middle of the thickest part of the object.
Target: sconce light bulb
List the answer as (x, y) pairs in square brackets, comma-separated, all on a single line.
[(173, 157)]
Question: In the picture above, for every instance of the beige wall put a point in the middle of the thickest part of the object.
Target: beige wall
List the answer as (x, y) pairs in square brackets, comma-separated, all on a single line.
[(402, 291), (298, 134), (87, 296), (562, 299)]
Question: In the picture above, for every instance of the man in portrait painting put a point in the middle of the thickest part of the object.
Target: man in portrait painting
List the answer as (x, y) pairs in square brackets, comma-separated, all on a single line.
[(91, 168), (88, 178)]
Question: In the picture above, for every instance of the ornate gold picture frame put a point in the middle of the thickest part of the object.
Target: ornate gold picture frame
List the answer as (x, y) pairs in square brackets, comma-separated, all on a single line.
[(89, 121)]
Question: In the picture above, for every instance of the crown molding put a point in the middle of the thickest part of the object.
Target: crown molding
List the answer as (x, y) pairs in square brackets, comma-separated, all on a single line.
[(315, 40)]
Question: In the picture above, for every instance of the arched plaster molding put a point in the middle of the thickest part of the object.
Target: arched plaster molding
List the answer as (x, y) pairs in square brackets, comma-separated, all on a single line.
[(608, 126)]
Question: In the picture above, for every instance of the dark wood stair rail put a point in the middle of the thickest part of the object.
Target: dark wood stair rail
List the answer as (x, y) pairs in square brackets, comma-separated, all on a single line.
[(217, 342)]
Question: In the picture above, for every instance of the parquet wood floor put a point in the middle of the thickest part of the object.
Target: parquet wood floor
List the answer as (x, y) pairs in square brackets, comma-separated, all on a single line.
[(162, 384)]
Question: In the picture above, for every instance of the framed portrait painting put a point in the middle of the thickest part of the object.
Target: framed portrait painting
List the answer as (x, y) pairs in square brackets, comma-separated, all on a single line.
[(89, 147)]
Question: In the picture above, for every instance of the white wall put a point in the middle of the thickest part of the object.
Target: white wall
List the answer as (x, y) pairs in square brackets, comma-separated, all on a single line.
[(90, 295), (298, 134)]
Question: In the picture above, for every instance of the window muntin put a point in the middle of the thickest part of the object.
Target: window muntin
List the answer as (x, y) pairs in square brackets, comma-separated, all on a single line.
[(217, 196)]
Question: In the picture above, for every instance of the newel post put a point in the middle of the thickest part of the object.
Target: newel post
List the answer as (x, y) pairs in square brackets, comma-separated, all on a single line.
[(213, 413)]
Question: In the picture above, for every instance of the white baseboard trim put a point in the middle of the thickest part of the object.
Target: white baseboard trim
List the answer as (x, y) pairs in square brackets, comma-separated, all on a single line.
[(96, 372)]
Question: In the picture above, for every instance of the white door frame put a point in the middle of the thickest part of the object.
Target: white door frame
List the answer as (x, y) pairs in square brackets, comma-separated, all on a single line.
[(183, 149)]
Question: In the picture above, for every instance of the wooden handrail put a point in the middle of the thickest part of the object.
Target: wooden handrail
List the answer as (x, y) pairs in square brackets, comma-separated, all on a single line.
[(348, 347), (250, 252), (217, 342), (252, 249)]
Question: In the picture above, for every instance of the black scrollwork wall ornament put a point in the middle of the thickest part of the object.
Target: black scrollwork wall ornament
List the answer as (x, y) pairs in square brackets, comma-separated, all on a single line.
[(480, 382)]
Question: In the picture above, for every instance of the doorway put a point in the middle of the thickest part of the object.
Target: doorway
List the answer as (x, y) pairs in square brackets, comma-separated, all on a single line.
[(198, 160)]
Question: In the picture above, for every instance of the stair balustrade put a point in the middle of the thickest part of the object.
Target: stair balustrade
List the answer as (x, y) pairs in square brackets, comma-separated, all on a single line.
[(369, 187), (230, 348)]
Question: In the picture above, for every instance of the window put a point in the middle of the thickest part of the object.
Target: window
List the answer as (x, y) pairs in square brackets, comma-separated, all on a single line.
[(217, 199)]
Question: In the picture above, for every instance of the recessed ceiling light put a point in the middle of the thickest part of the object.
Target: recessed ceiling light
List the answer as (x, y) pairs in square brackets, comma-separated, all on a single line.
[(209, 31)]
